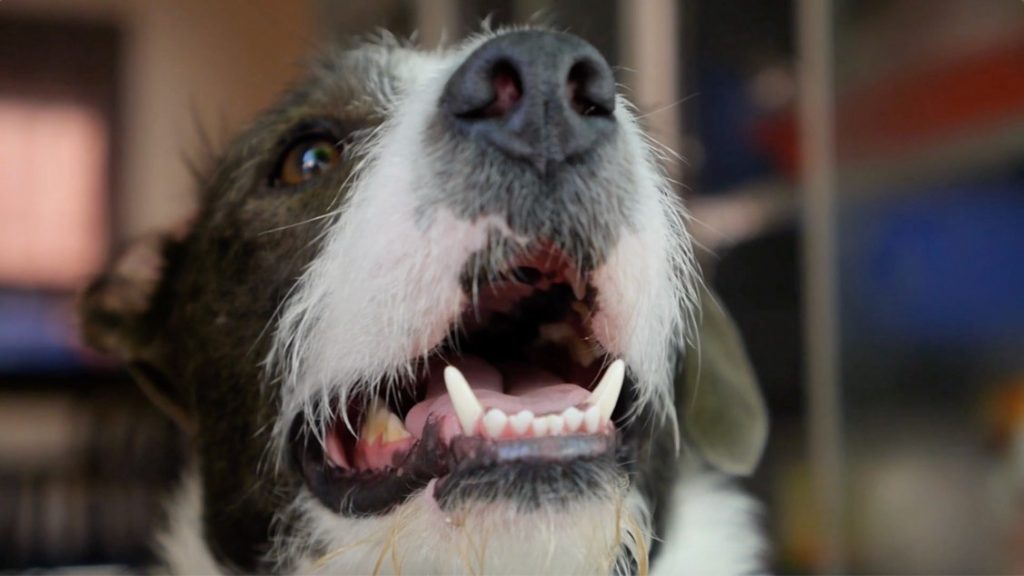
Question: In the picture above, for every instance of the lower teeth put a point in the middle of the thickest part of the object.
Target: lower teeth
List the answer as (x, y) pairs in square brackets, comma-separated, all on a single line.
[(496, 424)]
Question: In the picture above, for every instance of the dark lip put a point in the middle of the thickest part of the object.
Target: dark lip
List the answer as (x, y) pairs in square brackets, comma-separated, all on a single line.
[(531, 473), (469, 452), (542, 471), (354, 493)]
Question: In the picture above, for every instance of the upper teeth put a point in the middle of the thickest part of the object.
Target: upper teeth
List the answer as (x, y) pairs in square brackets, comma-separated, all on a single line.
[(495, 423), (382, 425)]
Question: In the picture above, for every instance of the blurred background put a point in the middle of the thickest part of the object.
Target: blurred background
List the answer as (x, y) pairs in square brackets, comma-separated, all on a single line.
[(856, 174)]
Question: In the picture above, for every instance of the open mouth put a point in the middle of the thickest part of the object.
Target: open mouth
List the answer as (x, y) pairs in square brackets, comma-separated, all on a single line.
[(521, 401)]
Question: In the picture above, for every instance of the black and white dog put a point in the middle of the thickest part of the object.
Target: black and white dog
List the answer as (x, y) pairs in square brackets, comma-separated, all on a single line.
[(433, 317)]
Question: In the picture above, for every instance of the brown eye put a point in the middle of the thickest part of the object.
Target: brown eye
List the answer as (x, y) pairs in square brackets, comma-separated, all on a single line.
[(306, 159)]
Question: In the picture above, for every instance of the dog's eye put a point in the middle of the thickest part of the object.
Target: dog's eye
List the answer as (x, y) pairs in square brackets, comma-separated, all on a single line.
[(305, 159)]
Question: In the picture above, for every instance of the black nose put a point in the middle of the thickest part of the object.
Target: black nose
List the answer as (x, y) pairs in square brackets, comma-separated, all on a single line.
[(540, 96)]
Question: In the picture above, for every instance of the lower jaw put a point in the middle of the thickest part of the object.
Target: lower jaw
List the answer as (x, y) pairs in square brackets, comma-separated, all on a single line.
[(528, 474), (531, 474)]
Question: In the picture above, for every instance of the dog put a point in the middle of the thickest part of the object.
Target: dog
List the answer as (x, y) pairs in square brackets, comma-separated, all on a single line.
[(439, 313)]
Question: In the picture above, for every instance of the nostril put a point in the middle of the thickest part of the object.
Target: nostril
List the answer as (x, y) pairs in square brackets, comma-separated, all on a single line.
[(540, 97), (508, 89), (506, 92), (588, 90)]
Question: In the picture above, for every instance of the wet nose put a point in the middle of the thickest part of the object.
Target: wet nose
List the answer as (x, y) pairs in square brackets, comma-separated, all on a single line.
[(543, 97)]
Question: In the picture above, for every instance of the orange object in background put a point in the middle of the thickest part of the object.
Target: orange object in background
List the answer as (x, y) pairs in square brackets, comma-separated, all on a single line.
[(909, 110)]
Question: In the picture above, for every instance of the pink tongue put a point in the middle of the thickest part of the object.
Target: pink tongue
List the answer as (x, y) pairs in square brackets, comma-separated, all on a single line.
[(508, 387)]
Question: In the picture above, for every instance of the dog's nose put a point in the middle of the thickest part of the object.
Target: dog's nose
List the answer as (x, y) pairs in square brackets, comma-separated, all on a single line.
[(539, 96)]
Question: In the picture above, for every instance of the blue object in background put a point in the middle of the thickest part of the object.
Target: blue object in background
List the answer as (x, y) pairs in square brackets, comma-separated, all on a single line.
[(37, 333), (725, 116), (937, 268)]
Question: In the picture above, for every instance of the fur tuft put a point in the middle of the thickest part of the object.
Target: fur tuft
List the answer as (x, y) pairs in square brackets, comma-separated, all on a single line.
[(713, 530)]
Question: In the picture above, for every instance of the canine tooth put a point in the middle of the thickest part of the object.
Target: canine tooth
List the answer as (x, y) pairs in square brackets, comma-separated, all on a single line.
[(573, 419), (540, 426), (606, 395), (521, 422), (592, 419), (375, 422), (382, 425), (579, 287), (494, 422), (467, 407), (395, 429), (556, 425)]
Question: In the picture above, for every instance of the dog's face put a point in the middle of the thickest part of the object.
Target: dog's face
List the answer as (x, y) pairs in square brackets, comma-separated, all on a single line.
[(428, 318)]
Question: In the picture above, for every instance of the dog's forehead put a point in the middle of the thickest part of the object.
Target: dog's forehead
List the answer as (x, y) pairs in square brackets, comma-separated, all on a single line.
[(349, 84), (364, 80)]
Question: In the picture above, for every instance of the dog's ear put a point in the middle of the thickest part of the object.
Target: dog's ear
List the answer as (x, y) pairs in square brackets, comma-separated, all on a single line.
[(121, 314), (722, 408)]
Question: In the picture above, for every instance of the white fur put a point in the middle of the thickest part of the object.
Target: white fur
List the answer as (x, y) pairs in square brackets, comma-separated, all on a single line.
[(385, 287), (647, 288), (712, 530), (181, 544)]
